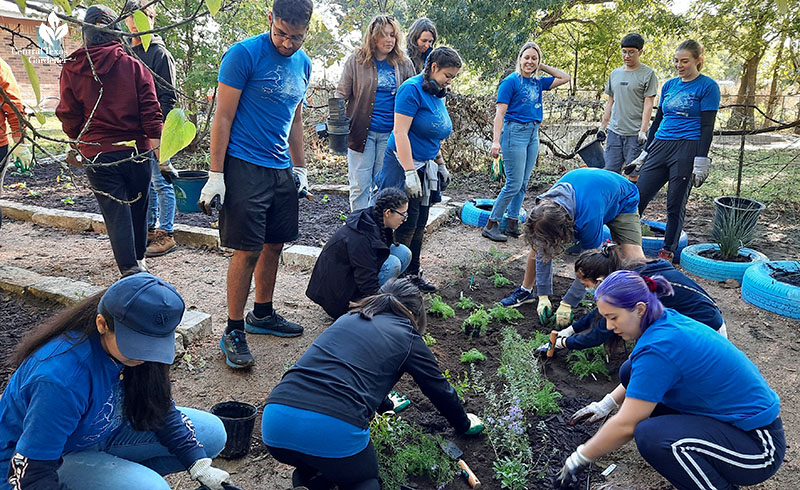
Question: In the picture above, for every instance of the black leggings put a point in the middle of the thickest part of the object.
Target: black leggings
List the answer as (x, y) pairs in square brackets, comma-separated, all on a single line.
[(412, 231), (356, 472)]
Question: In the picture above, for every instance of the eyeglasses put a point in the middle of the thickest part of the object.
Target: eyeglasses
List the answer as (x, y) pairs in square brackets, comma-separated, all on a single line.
[(404, 215), (297, 39)]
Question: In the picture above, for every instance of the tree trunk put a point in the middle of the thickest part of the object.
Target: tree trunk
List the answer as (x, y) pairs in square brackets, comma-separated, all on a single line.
[(746, 94), (772, 102)]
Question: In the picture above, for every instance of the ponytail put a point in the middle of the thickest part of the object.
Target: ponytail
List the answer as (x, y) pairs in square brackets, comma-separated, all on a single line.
[(599, 262), (625, 289)]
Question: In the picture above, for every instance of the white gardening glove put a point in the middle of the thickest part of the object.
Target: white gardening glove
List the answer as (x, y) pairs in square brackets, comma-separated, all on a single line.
[(642, 137), (300, 179), (635, 166), (561, 340), (573, 467), (413, 185), (595, 411), (445, 175), (544, 309), (563, 315), (202, 471), (214, 188), (702, 165)]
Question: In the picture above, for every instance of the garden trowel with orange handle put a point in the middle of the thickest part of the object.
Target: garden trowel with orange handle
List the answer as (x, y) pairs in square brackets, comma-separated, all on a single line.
[(450, 449), (553, 338)]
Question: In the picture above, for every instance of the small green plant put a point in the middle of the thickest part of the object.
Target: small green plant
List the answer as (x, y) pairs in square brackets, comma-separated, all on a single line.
[(588, 362), (519, 366), (476, 323), (68, 200), (504, 314), (439, 307), (459, 382), (647, 231), (733, 230), (33, 193), (428, 339), (512, 473), (472, 355), (465, 302), (324, 199), (342, 216), (499, 280)]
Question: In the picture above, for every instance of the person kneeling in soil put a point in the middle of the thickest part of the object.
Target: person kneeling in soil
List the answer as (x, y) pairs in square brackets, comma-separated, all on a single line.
[(709, 424), (317, 418), (595, 265), (89, 405), (576, 207), (362, 255)]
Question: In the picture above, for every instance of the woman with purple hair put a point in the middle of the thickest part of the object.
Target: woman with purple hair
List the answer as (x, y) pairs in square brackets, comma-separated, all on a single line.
[(710, 424)]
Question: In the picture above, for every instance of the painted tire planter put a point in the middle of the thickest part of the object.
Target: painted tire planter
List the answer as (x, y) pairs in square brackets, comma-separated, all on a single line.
[(718, 270), (652, 244), (759, 288), (475, 212)]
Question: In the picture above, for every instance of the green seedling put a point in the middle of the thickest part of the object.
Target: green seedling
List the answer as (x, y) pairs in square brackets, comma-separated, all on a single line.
[(465, 302), (440, 308), (460, 383), (476, 323), (504, 314), (472, 355), (428, 339), (499, 280), (324, 199), (588, 362), (33, 193), (647, 231), (68, 200), (342, 216)]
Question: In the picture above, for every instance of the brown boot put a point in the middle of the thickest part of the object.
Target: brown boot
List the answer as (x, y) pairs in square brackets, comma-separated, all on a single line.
[(162, 244), (492, 232), (512, 229), (151, 235)]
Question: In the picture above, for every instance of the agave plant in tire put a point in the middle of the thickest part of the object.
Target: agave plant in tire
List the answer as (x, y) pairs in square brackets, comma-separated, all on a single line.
[(734, 227)]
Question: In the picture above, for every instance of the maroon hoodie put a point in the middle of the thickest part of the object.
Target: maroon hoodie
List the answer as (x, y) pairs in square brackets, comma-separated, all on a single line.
[(128, 110)]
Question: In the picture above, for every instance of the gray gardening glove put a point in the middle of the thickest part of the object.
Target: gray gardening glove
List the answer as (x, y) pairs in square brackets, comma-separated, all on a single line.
[(595, 411), (300, 179), (413, 185), (642, 137), (702, 165), (445, 176)]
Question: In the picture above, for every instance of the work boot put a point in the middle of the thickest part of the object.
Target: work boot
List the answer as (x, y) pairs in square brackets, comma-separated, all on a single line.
[(163, 243), (151, 235), (512, 229), (237, 353), (273, 324), (492, 232)]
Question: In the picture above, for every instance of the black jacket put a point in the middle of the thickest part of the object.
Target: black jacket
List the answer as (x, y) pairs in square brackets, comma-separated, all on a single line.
[(351, 367), (347, 268), (160, 60)]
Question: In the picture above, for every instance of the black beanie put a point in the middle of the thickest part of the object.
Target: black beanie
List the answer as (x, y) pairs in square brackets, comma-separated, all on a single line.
[(104, 16)]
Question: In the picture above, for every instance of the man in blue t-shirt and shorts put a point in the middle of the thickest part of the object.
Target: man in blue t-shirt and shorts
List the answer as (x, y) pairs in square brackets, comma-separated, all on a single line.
[(257, 153)]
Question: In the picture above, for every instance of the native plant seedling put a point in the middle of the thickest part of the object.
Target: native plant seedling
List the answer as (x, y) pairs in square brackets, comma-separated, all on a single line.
[(588, 362), (324, 199), (33, 193), (342, 216), (440, 308), (512, 473), (476, 323), (472, 355), (459, 382), (504, 314), (68, 200), (465, 302), (428, 339), (499, 280)]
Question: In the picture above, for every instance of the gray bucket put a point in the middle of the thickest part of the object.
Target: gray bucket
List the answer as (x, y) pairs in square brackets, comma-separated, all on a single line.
[(592, 154)]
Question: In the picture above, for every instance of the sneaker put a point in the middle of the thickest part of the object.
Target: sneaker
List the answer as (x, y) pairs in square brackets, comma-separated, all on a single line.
[(273, 324), (163, 243), (237, 353), (665, 254), (518, 298), (423, 285)]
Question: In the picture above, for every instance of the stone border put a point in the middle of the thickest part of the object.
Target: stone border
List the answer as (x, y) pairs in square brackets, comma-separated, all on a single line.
[(194, 324)]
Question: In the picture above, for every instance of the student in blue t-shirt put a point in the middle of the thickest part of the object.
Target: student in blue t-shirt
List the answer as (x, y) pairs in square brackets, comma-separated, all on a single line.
[(677, 145), (89, 405), (369, 82), (257, 154), (516, 132), (699, 410), (413, 160)]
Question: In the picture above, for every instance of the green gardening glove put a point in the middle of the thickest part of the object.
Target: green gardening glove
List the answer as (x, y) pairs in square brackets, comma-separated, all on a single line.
[(475, 425), (399, 402), (544, 309)]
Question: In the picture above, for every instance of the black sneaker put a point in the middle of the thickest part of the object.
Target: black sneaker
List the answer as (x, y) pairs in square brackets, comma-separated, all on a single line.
[(423, 285), (273, 324), (237, 353)]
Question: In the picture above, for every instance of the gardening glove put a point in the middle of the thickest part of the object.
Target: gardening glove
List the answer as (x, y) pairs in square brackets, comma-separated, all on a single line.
[(301, 180), (563, 315), (444, 176), (601, 134), (413, 185), (702, 165), (575, 464), (22, 157), (168, 171), (475, 425), (544, 309), (399, 402), (202, 471), (561, 341), (636, 165), (595, 411), (213, 190), (642, 137)]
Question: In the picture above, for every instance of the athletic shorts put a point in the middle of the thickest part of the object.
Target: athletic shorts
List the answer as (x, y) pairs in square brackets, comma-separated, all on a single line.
[(260, 206), (626, 229)]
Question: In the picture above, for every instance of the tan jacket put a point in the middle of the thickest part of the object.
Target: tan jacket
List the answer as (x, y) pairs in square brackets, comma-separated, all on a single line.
[(358, 86)]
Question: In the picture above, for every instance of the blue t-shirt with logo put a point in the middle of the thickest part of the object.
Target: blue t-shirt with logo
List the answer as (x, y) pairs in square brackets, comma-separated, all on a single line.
[(523, 96), (431, 122), (681, 105), (272, 86), (383, 110), (691, 368)]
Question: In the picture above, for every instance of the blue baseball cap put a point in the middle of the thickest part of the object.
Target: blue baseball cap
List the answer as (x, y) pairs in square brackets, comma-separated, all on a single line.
[(146, 310)]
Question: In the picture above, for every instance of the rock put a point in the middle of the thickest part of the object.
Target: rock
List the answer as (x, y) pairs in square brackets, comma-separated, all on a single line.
[(194, 325), (730, 283), (301, 256), (180, 350)]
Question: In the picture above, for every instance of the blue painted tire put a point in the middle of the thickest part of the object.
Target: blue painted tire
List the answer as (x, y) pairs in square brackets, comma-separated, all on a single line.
[(717, 270), (759, 288), (475, 212), (652, 244)]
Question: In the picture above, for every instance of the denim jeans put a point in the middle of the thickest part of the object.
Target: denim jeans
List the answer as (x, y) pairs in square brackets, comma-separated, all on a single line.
[(362, 168), (162, 201), (520, 145), (395, 264), (621, 150), (135, 460)]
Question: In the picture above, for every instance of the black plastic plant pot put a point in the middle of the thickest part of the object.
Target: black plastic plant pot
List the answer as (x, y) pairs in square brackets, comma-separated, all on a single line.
[(471, 331), (740, 210), (239, 419), (338, 132), (592, 154)]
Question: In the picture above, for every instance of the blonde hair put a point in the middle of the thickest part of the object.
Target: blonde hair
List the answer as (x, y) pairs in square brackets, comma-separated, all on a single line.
[(528, 45), (695, 48), (366, 52)]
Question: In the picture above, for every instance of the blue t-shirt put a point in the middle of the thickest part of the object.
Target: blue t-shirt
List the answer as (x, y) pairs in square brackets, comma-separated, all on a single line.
[(272, 86), (692, 369), (681, 105), (310, 432), (523, 96), (66, 396), (431, 122), (383, 110)]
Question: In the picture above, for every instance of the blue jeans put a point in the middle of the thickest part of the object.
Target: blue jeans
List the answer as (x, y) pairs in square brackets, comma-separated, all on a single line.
[(621, 150), (162, 201), (520, 145), (362, 168), (135, 460), (395, 264)]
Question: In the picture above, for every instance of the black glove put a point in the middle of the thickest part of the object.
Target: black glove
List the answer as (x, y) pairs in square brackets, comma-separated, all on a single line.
[(601, 134), (225, 485)]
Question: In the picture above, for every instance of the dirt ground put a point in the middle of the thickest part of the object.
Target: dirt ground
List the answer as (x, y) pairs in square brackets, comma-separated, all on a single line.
[(771, 341)]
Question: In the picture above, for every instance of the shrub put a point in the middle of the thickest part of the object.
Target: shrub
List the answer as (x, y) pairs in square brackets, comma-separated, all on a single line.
[(440, 308), (472, 355), (519, 366)]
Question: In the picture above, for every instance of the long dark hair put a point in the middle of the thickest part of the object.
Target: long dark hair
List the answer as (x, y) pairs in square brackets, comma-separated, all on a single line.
[(599, 262), (414, 32), (147, 390), (399, 297)]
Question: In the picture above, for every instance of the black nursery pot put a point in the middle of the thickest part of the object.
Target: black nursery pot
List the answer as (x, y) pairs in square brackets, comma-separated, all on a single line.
[(239, 419)]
